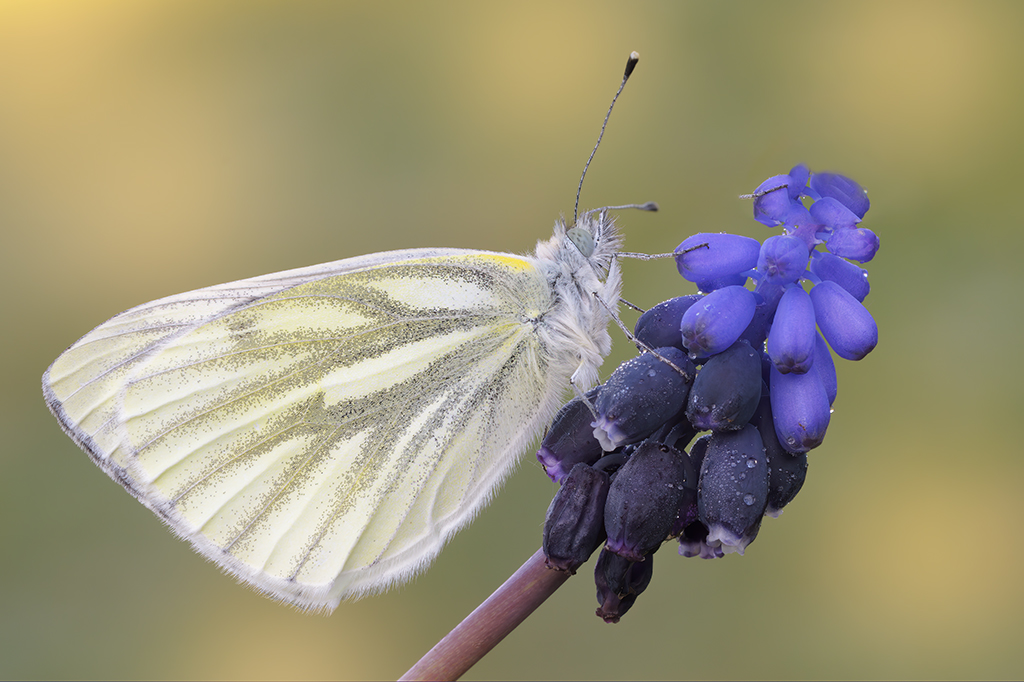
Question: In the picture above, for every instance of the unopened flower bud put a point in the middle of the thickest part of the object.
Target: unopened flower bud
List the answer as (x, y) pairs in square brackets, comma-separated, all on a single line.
[(846, 191), (712, 257), (800, 409), (786, 470), (725, 393), (574, 526), (641, 396), (791, 338), (659, 326), (714, 323), (831, 212), (570, 439), (825, 367), (619, 582), (859, 244), (844, 273), (773, 199), (733, 488), (844, 321), (644, 500), (783, 259)]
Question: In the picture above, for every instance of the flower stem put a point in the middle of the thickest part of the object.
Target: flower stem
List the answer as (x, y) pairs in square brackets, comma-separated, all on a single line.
[(496, 617)]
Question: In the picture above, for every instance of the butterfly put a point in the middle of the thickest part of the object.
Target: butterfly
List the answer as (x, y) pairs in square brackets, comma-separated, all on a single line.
[(320, 433)]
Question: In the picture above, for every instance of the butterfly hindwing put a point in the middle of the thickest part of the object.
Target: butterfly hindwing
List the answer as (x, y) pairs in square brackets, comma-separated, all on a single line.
[(319, 433)]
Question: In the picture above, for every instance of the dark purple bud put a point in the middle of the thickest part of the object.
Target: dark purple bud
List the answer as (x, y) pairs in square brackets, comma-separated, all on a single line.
[(772, 200), (846, 191), (859, 244), (644, 500), (716, 321), (676, 434), (641, 396), (688, 507), (767, 296), (783, 259), (692, 533), (574, 526), (786, 471), (570, 439), (659, 326), (733, 488), (791, 338), (726, 391), (613, 461), (712, 256), (844, 322), (766, 371), (800, 409), (830, 212), (757, 331), (698, 450), (619, 582), (844, 273), (825, 368)]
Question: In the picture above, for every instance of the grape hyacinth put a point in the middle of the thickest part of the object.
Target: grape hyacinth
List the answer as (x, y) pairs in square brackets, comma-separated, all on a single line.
[(747, 360)]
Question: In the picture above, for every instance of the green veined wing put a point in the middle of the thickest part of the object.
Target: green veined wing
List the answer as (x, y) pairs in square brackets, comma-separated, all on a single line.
[(321, 432)]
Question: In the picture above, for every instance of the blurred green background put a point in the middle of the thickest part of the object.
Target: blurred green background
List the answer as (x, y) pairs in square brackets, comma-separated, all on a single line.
[(149, 148)]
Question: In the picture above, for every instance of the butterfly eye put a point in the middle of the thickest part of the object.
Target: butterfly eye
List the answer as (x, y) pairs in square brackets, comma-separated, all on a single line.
[(583, 240)]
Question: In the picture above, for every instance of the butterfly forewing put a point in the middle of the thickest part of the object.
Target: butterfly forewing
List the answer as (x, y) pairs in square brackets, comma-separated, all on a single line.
[(319, 433)]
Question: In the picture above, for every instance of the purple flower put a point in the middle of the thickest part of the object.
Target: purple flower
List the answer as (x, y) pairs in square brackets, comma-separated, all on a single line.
[(619, 582), (844, 321), (786, 470), (641, 396), (783, 259), (716, 260), (659, 326), (830, 212), (854, 279), (570, 439), (859, 244), (733, 488), (727, 389), (825, 368), (716, 322), (846, 191), (800, 409), (644, 500), (753, 367), (791, 338), (772, 200), (574, 525)]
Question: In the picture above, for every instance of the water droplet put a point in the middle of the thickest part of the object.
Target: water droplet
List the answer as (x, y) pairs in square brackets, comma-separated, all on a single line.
[(751, 462), (651, 373), (748, 499)]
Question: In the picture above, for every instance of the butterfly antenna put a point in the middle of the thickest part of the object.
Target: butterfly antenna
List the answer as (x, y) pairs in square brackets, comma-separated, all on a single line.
[(634, 57)]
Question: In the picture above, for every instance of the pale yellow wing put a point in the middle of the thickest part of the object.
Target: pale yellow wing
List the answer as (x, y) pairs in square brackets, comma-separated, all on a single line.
[(319, 433)]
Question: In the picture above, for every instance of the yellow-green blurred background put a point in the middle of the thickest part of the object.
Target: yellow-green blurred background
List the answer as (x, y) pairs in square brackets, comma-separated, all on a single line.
[(149, 148)]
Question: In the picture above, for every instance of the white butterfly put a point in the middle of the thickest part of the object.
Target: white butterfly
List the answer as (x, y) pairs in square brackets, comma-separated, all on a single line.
[(320, 433)]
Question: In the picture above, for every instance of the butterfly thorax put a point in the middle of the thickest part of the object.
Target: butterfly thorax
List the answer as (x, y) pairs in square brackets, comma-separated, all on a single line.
[(575, 329)]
